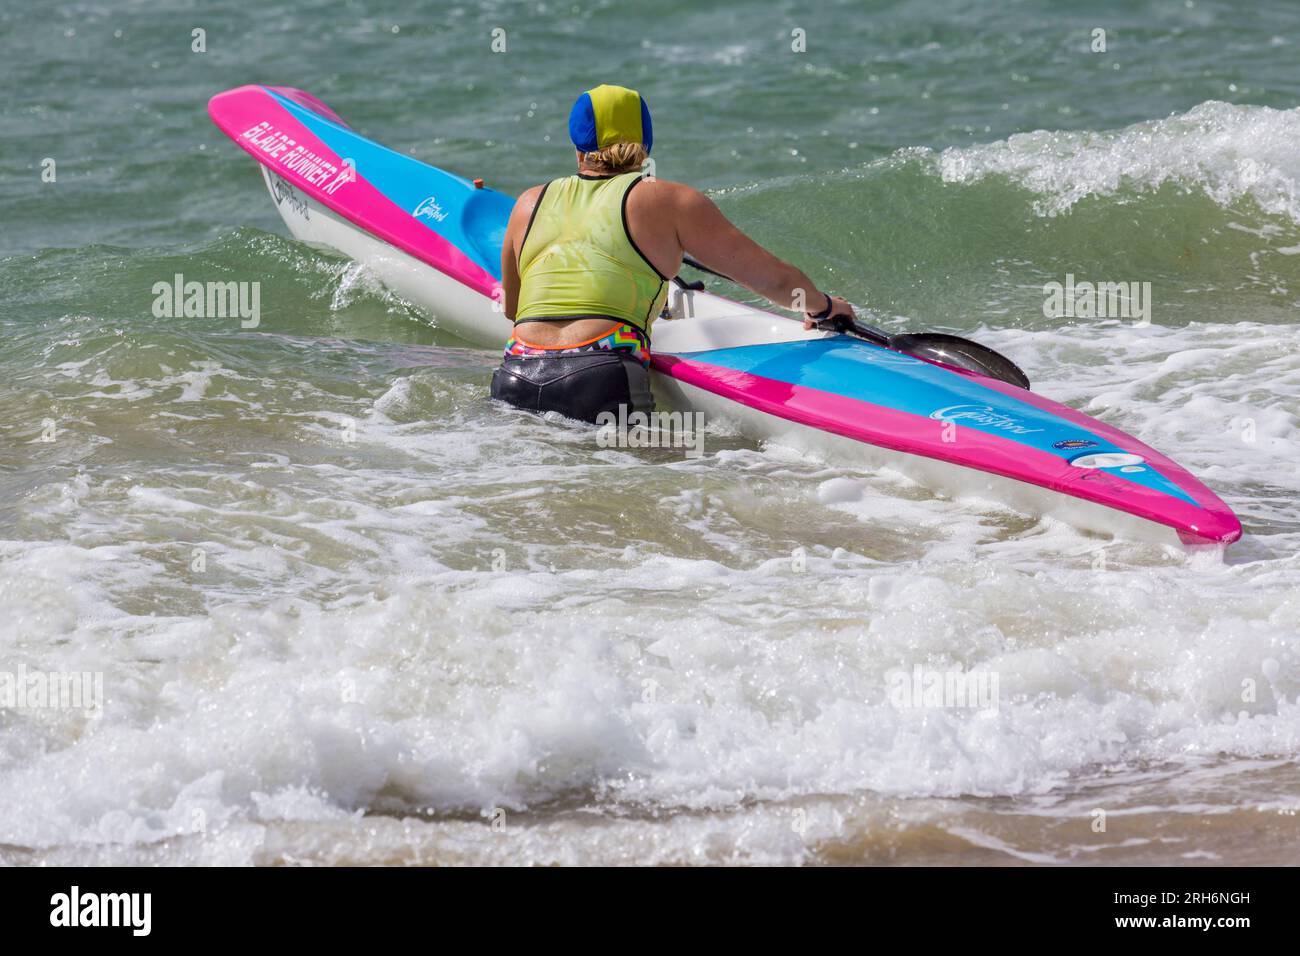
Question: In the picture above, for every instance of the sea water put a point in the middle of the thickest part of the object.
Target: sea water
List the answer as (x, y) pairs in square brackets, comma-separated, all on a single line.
[(344, 609)]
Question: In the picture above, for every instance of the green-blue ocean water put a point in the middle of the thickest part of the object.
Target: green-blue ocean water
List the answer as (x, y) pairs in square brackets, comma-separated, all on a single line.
[(459, 611)]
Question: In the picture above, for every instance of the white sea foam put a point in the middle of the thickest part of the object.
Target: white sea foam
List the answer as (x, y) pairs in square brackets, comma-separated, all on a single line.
[(1230, 152), (352, 647)]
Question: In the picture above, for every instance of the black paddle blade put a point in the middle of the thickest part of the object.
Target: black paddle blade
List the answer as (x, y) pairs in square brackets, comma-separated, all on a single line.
[(960, 353)]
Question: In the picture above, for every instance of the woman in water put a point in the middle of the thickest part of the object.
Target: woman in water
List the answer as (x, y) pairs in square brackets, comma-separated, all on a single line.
[(587, 260)]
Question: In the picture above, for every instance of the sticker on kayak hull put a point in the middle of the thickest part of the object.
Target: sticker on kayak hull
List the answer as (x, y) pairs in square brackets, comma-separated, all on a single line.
[(1107, 459), (283, 192), (982, 415), (1074, 443), (431, 209)]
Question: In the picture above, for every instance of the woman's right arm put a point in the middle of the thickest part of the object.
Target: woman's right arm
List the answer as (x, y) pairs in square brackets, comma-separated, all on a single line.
[(715, 241)]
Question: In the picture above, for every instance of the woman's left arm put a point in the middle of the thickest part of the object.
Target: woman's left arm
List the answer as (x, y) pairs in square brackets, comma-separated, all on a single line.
[(511, 246)]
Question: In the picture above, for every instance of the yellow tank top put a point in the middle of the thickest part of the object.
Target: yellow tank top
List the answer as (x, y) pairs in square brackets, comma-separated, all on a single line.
[(578, 259)]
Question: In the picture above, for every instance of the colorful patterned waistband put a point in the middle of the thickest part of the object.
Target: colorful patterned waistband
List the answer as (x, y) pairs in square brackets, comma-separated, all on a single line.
[(623, 338)]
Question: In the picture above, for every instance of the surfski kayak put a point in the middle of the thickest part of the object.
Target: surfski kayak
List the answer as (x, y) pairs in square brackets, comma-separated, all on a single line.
[(435, 239)]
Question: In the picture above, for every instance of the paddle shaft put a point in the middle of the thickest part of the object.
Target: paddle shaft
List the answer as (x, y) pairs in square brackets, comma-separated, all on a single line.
[(929, 346), (879, 336)]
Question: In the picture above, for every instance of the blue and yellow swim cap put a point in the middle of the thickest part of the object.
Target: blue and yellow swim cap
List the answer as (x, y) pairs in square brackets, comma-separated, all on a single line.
[(607, 115)]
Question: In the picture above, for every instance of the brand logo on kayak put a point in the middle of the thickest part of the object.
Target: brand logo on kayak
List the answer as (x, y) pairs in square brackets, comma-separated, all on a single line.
[(429, 209), (633, 429), (282, 192), (982, 415), (279, 149), (1074, 443)]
